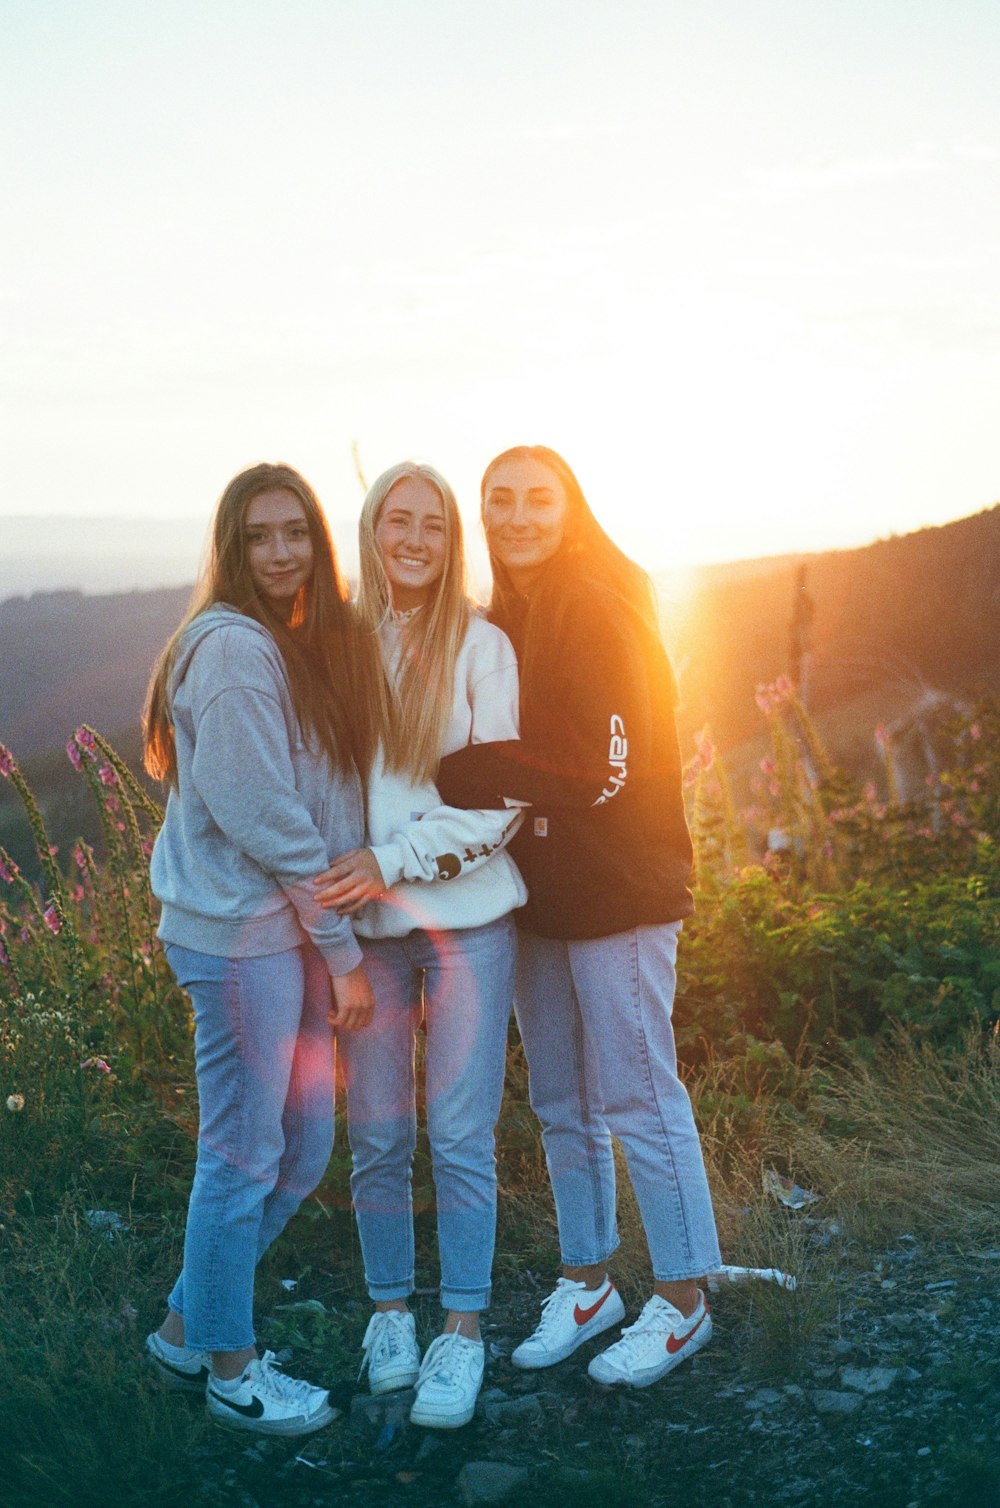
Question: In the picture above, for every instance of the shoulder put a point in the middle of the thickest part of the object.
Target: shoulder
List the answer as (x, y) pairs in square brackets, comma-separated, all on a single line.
[(486, 645), (230, 649)]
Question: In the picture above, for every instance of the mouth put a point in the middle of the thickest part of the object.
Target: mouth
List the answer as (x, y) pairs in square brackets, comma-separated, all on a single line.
[(410, 563)]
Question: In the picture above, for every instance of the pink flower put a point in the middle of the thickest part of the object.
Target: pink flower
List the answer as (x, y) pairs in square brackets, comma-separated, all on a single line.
[(882, 736), (147, 848), (762, 696), (4, 956), (783, 688), (975, 732), (107, 775), (8, 869), (86, 740), (73, 754), (97, 1063), (767, 767), (52, 919), (77, 893), (7, 765), (24, 935), (706, 749), (80, 857)]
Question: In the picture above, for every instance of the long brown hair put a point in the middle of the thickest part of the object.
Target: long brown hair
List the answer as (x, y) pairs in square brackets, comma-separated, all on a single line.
[(421, 700), (334, 672), (586, 555)]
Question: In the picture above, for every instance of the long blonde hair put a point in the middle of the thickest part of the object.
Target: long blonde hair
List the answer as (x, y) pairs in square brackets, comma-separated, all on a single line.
[(420, 702), (334, 672)]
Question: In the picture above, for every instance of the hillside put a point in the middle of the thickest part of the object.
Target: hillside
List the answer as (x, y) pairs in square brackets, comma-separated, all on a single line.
[(890, 622)]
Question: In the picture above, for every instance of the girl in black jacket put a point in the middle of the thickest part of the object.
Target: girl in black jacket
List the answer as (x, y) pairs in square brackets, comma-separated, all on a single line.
[(606, 855)]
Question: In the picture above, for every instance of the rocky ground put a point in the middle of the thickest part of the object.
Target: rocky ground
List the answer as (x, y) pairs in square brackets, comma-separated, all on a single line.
[(877, 1382)]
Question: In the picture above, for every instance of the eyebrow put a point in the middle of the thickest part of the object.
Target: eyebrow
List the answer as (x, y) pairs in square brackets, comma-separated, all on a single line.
[(281, 523)]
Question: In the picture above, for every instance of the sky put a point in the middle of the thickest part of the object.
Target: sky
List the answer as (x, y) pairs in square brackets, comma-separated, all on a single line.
[(738, 260)]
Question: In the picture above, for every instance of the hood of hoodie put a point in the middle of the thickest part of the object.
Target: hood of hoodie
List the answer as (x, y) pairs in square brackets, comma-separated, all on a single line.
[(219, 615)]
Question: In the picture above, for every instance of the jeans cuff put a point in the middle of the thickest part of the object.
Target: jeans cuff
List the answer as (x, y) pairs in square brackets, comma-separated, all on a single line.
[(382, 1292), (471, 1300), (604, 1256)]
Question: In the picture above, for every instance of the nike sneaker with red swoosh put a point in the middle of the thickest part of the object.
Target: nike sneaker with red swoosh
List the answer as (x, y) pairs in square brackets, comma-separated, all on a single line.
[(572, 1314), (660, 1340), (267, 1402)]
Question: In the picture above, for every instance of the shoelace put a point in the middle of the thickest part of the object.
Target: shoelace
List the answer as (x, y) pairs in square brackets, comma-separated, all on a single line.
[(383, 1339), (445, 1360), (652, 1317), (273, 1381), (553, 1305)]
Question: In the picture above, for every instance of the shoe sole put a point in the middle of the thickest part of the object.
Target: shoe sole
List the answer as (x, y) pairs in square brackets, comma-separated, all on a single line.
[(286, 1427), (441, 1421), (587, 1332), (174, 1379), (652, 1375), (394, 1383)]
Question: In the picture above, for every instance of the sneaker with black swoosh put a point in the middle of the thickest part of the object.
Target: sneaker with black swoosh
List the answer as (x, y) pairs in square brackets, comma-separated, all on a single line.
[(572, 1314), (266, 1402), (661, 1338), (181, 1368)]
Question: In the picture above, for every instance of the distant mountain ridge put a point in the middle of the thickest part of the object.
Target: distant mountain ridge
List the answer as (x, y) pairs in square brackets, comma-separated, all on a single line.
[(922, 609)]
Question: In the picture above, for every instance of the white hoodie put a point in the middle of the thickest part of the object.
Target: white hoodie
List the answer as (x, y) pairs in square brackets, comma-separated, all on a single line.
[(447, 868)]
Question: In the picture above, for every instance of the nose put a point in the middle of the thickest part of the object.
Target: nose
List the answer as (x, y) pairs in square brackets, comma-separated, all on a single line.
[(519, 514), (279, 547)]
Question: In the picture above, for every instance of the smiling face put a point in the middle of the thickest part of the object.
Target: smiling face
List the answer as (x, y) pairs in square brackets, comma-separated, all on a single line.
[(525, 510), (410, 536), (279, 547)]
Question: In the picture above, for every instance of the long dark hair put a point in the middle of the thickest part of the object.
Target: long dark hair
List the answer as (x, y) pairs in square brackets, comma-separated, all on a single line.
[(586, 556), (332, 668)]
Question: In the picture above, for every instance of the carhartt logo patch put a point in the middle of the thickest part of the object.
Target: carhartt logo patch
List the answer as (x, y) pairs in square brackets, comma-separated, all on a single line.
[(541, 827)]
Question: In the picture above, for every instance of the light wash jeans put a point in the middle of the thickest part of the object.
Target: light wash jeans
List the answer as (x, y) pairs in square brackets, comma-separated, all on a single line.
[(464, 981), (594, 1017), (264, 1061)]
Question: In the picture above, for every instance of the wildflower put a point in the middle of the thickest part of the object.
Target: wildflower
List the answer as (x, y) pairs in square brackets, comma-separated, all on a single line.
[(97, 1063), (7, 765), (782, 688), (107, 775), (52, 919), (706, 749), (882, 736), (73, 754), (147, 848), (975, 732), (762, 696), (15, 1102), (767, 767), (86, 740), (8, 869)]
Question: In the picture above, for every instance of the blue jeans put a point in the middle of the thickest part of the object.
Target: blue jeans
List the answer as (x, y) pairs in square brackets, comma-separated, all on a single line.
[(264, 1061), (463, 984), (594, 1017)]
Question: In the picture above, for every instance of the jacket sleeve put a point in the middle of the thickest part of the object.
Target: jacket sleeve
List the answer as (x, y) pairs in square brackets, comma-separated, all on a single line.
[(242, 769), (446, 841), (589, 733)]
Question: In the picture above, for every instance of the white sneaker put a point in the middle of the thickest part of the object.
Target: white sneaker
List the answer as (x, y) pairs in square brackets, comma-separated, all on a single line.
[(660, 1340), (179, 1367), (390, 1351), (269, 1403), (451, 1375), (572, 1314)]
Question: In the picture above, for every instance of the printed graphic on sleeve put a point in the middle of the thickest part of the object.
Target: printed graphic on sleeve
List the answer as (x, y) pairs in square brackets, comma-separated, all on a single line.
[(617, 757)]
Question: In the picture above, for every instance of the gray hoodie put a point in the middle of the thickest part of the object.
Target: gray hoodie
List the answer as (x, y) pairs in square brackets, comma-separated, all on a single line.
[(256, 812)]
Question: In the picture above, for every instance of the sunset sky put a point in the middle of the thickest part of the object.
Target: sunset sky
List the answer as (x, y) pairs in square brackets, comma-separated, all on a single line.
[(738, 259)]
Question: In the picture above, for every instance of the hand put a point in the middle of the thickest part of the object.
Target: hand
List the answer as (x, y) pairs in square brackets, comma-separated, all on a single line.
[(353, 1000), (350, 881)]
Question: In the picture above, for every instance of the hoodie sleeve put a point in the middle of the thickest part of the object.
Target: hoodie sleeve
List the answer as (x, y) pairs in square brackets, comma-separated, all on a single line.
[(590, 731), (243, 772)]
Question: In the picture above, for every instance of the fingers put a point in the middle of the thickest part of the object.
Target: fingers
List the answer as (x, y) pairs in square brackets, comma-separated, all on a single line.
[(352, 1018)]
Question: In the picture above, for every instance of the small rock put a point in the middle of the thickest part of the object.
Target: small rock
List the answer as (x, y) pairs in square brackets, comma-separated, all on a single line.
[(940, 1287), (842, 1346), (910, 1374), (764, 1398), (868, 1379), (924, 1450), (827, 1401), (523, 1410), (489, 1481), (372, 1415)]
